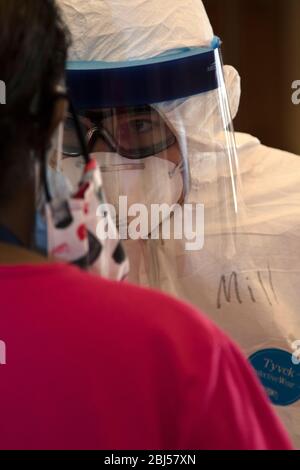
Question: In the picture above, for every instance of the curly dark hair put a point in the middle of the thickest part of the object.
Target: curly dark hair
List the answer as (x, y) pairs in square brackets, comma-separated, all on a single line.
[(34, 42)]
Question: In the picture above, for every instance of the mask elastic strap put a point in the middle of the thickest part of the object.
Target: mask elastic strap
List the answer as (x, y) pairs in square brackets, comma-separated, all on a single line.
[(44, 177), (80, 134)]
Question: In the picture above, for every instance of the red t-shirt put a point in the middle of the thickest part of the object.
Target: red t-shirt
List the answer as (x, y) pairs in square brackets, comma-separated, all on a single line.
[(92, 364)]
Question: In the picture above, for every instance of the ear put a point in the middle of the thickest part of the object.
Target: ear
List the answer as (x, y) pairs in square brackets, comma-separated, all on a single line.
[(42, 133), (59, 113)]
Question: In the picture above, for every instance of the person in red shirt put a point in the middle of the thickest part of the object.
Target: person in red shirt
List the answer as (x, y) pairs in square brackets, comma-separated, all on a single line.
[(87, 363)]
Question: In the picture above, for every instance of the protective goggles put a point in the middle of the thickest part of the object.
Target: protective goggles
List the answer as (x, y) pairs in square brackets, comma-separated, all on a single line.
[(132, 132)]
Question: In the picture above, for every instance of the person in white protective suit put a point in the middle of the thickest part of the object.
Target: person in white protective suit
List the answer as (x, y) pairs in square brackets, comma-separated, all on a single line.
[(155, 101)]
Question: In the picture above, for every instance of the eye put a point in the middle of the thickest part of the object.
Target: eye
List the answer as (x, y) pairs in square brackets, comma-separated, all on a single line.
[(141, 126)]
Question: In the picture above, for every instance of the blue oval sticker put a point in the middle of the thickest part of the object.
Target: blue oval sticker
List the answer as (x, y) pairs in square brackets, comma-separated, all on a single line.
[(278, 374)]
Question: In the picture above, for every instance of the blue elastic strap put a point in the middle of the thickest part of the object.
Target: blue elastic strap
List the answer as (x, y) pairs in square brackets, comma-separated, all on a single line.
[(176, 75)]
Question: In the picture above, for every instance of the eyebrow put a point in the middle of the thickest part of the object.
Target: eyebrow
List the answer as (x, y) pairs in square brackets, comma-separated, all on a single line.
[(100, 114)]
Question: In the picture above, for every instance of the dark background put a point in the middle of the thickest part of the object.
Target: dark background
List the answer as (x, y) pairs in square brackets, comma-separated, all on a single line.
[(261, 38)]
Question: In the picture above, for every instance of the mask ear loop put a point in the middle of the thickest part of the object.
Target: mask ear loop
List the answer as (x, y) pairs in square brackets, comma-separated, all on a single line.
[(80, 134)]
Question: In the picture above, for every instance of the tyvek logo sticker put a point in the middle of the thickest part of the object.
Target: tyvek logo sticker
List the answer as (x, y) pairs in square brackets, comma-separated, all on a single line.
[(278, 374)]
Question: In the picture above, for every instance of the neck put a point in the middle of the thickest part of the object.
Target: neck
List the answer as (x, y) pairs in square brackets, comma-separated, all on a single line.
[(13, 255)]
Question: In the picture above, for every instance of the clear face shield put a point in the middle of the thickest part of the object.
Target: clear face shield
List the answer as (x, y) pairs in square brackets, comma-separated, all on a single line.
[(161, 133)]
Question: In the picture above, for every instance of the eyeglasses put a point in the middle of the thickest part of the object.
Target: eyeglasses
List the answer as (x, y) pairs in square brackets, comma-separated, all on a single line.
[(133, 133)]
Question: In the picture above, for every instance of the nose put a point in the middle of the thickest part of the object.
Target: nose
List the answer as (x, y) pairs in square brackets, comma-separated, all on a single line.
[(97, 144)]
